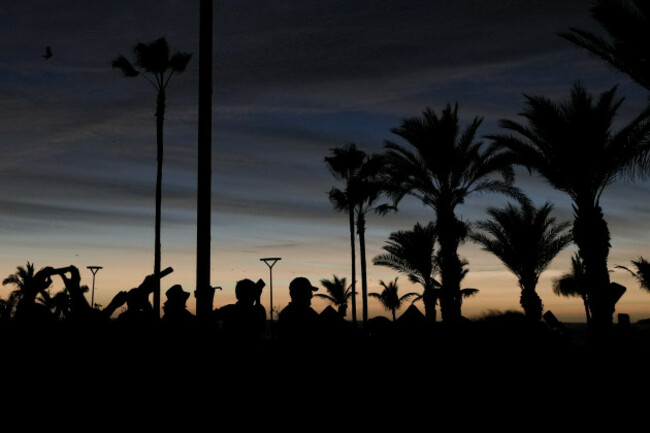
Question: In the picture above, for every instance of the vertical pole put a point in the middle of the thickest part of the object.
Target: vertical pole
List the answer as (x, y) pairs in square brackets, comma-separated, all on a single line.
[(270, 262), (204, 293), (92, 298), (94, 270)]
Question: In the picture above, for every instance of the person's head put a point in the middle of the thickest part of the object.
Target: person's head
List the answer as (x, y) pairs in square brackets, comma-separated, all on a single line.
[(246, 291), (301, 291), (176, 297), (137, 299)]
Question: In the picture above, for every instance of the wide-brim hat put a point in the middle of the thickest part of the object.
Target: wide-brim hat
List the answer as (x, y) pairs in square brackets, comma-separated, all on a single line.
[(176, 292)]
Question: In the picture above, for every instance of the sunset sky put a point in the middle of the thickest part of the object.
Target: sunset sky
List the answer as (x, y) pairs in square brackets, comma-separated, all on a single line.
[(292, 79)]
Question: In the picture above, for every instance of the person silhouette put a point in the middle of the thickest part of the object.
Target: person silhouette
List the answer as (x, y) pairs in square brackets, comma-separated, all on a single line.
[(139, 310), (175, 307), (245, 319), (298, 320)]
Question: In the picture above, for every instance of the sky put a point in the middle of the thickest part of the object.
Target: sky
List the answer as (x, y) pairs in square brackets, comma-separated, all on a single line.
[(292, 80)]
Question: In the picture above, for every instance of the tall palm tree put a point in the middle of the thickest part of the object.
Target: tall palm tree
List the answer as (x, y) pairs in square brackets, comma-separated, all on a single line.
[(154, 63), (367, 189), (413, 253), (389, 297), (344, 163), (447, 167), (626, 48), (338, 293), (572, 146), (641, 272), (573, 284), (526, 239)]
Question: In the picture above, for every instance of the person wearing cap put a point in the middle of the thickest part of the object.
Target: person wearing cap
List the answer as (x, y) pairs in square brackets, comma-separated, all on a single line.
[(298, 320)]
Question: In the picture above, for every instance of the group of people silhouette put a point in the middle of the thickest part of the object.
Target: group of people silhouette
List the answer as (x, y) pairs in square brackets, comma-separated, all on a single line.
[(244, 320)]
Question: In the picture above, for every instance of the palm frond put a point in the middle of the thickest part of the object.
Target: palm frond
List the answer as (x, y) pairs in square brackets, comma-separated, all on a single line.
[(123, 64)]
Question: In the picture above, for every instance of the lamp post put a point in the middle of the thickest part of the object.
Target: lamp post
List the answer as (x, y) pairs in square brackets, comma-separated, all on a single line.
[(94, 270), (270, 261)]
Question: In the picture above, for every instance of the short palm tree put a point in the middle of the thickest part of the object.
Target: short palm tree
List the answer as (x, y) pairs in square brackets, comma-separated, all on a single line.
[(641, 272), (344, 163), (526, 239), (573, 147), (626, 48), (7, 308), (446, 167), (338, 293), (389, 297), (573, 284), (412, 253), (154, 63), (31, 287), (27, 286)]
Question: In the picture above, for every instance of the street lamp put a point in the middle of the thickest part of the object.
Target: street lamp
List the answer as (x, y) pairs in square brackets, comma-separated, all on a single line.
[(270, 261), (94, 270)]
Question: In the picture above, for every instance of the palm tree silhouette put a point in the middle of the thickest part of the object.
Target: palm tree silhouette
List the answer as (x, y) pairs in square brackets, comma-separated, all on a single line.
[(573, 284), (155, 64), (641, 272), (366, 189), (412, 253), (344, 163), (447, 167), (389, 297), (573, 147), (30, 287), (526, 239), (7, 307), (627, 24), (338, 293)]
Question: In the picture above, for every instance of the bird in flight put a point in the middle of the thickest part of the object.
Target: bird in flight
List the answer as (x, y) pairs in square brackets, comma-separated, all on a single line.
[(48, 53)]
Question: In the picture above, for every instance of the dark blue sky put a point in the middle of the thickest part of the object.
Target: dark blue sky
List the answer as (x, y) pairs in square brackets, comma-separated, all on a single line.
[(292, 79)]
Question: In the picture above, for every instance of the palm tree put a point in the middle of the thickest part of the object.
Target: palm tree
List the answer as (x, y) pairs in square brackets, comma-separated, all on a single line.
[(641, 272), (446, 168), (389, 297), (573, 147), (7, 308), (344, 163), (154, 64), (30, 287), (338, 293), (627, 24), (366, 190), (412, 253), (526, 239), (573, 284)]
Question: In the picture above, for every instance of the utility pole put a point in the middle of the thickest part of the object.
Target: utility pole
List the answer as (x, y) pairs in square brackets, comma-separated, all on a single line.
[(204, 292)]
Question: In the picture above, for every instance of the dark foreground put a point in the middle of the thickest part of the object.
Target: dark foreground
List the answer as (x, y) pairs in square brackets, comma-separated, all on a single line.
[(158, 374)]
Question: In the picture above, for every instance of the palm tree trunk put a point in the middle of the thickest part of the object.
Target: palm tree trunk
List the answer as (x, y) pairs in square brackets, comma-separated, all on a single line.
[(353, 253), (449, 237), (429, 299), (530, 300), (592, 237), (361, 230), (160, 118)]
